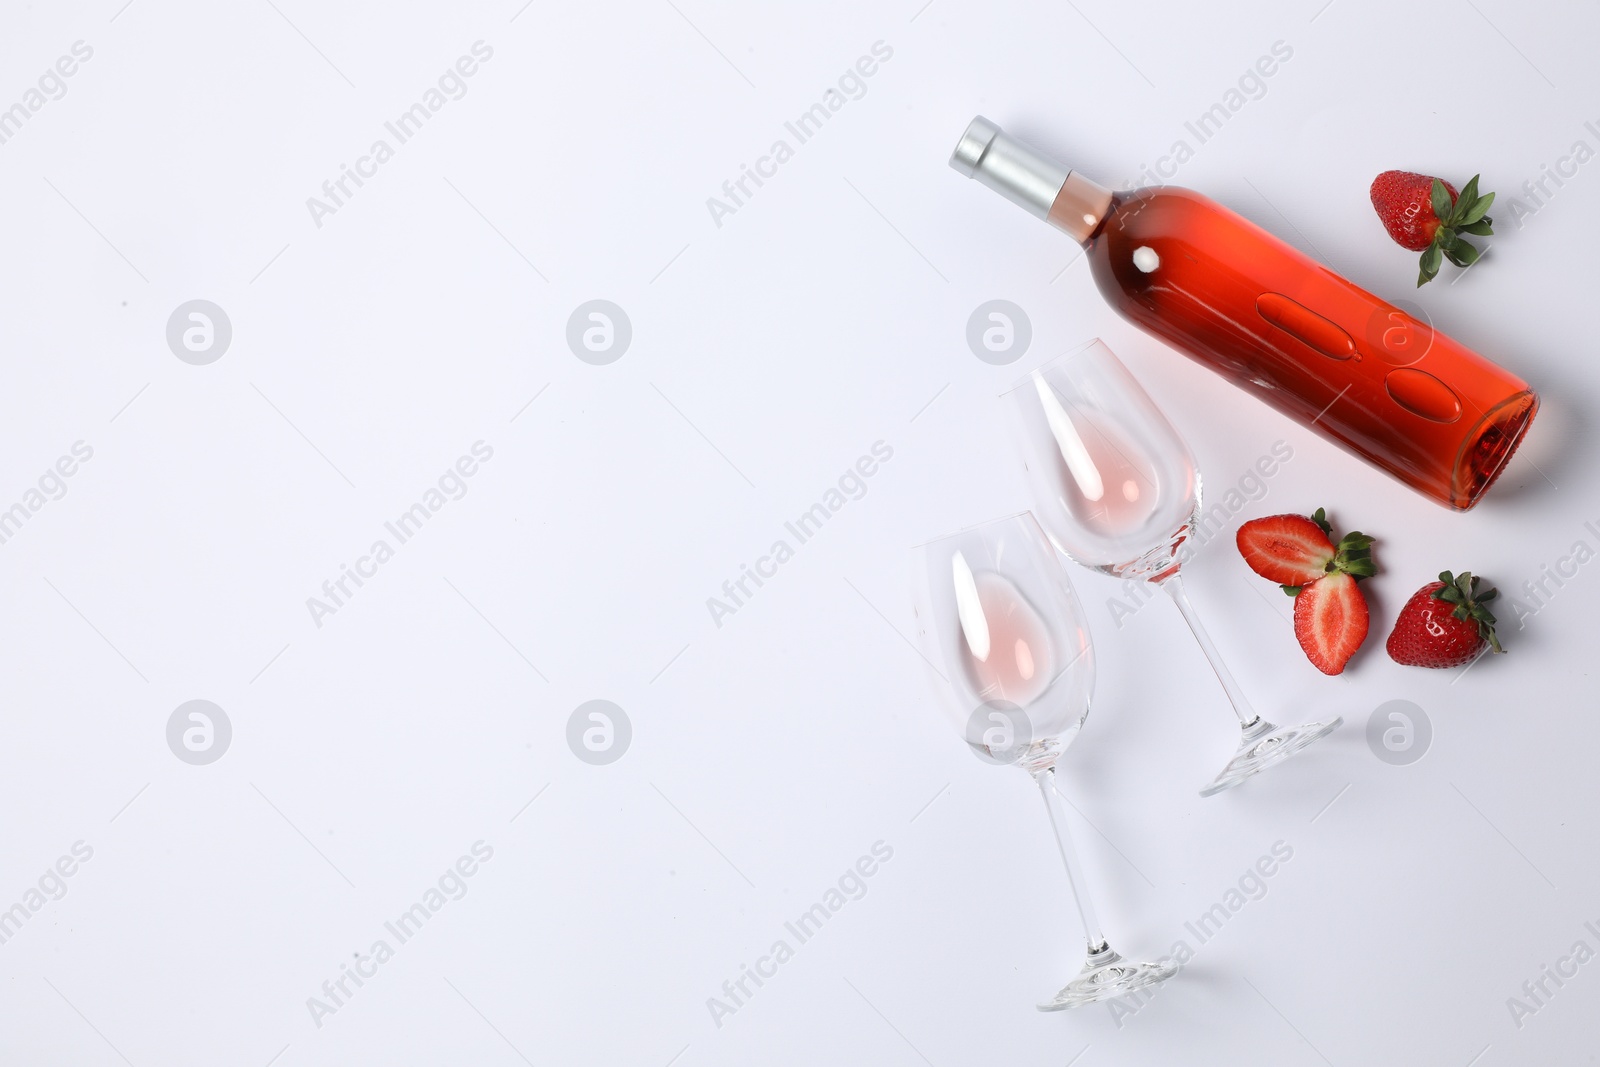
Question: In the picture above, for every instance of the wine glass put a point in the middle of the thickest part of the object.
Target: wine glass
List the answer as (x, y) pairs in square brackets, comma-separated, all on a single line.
[(1117, 490), (1002, 629)]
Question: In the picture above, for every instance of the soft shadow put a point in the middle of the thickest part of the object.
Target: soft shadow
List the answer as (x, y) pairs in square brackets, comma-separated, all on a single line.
[(1547, 454)]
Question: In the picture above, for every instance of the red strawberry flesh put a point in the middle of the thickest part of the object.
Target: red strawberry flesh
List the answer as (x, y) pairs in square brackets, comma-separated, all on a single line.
[(1287, 549), (1330, 621)]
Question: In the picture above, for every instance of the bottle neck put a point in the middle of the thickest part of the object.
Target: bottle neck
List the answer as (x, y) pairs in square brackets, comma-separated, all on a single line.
[(1080, 208), (1032, 180)]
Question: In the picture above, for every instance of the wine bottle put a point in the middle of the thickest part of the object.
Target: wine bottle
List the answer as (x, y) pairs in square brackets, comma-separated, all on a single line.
[(1275, 322)]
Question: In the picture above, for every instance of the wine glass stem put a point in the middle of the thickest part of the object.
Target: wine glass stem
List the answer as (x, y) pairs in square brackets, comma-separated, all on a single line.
[(1056, 806), (1241, 707)]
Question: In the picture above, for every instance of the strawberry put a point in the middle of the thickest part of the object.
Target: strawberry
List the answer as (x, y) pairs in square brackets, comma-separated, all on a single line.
[(1330, 621), (1330, 614), (1444, 624), (1293, 550), (1427, 215)]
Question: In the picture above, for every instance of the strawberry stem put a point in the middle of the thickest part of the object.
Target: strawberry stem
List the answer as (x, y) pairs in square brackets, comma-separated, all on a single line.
[(1468, 603), (1468, 214)]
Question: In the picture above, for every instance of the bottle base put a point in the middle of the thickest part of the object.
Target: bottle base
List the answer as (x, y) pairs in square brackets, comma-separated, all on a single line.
[(1486, 453)]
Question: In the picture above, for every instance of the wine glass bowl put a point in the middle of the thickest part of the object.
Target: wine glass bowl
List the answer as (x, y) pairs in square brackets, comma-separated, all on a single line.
[(1008, 628), (1005, 637), (1117, 490), (1113, 484)]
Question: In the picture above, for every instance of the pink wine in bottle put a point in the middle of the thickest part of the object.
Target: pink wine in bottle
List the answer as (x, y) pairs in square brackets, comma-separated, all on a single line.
[(1228, 294)]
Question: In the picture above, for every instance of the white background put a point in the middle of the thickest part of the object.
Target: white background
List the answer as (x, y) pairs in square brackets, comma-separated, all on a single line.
[(826, 314)]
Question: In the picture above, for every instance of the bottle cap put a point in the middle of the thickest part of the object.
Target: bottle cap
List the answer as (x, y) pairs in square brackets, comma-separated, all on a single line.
[(1033, 181)]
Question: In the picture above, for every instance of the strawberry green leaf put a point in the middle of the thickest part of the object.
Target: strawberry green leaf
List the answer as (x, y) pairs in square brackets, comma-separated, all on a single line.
[(1430, 265), (1292, 590), (1482, 228), (1479, 209), (1353, 556), (1360, 568), (1440, 198)]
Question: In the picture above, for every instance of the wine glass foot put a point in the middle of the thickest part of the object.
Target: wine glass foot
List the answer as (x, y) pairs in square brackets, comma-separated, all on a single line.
[(1265, 745), (1106, 975)]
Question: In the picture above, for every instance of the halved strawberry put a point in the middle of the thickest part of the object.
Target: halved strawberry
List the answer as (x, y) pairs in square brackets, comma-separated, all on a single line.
[(1330, 621), (1287, 549), (1293, 550)]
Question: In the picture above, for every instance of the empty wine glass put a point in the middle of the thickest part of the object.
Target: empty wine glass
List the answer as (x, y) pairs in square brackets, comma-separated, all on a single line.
[(1117, 490), (1002, 629)]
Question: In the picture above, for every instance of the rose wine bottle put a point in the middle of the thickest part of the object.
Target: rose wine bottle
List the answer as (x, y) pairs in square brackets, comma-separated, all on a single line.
[(1228, 294)]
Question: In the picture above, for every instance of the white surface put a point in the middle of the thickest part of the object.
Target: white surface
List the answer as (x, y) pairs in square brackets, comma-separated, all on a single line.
[(804, 329)]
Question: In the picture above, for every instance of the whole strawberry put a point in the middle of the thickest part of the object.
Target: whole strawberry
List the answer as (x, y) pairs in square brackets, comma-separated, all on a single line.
[(1330, 614), (1427, 215), (1444, 624)]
